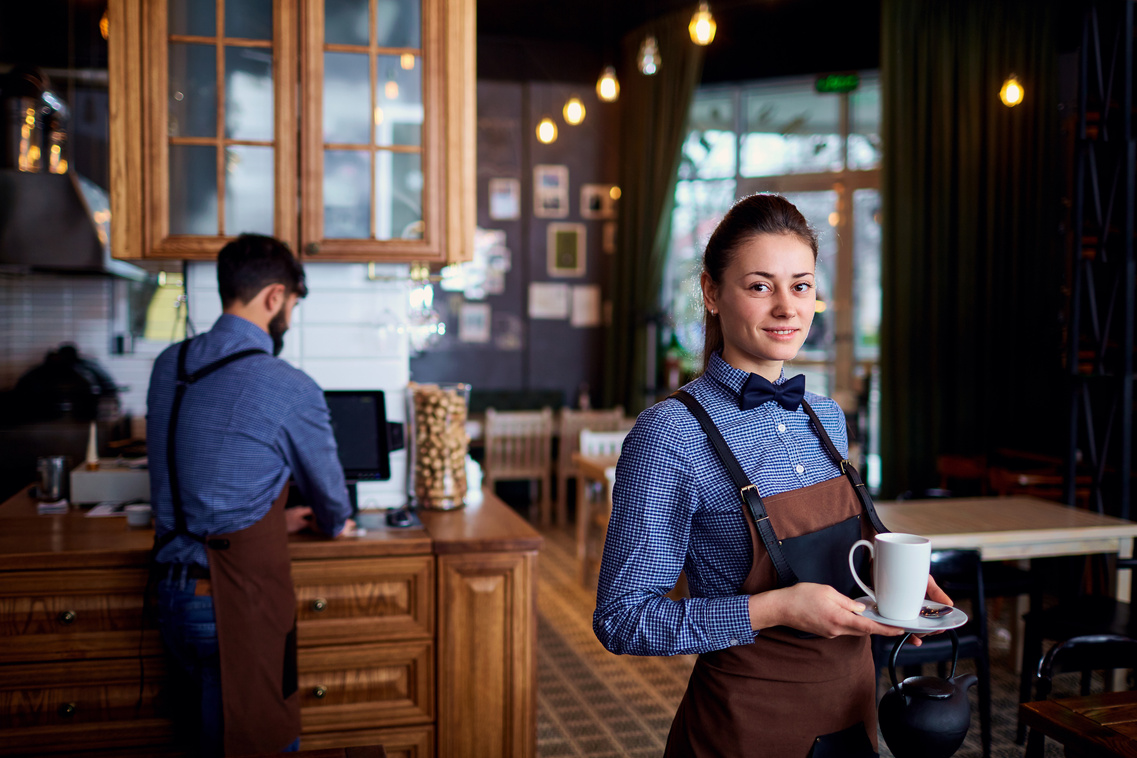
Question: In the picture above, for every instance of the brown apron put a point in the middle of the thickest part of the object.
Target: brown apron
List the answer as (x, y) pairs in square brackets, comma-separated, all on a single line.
[(777, 695), (254, 605)]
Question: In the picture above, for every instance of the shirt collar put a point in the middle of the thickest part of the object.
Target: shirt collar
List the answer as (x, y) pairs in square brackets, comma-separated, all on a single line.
[(730, 377), (244, 330)]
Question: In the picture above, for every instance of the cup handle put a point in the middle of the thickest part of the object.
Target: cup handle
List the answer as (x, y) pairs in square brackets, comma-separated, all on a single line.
[(853, 569)]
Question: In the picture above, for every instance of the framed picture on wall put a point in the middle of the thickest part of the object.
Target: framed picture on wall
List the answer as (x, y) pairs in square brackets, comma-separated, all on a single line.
[(474, 322), (597, 201), (550, 191), (566, 249), (505, 199)]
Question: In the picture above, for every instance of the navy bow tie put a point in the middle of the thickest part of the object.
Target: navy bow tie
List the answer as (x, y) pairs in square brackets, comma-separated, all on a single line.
[(758, 390)]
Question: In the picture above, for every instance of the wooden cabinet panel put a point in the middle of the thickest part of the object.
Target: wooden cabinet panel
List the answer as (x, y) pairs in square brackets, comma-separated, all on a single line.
[(343, 601), (404, 742), (361, 686), (81, 705), (487, 657), (46, 615)]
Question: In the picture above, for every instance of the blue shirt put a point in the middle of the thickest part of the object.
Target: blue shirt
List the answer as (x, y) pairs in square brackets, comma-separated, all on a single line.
[(242, 432), (675, 508)]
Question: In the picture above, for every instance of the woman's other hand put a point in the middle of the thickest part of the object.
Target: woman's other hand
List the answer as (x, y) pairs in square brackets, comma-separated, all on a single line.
[(936, 594), (815, 608)]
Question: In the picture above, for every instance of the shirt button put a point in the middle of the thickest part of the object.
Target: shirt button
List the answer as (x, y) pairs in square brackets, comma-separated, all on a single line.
[(799, 468), (781, 427), (734, 640)]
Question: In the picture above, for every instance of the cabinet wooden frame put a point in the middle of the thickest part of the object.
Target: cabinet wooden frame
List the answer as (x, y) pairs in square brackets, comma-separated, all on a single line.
[(140, 179)]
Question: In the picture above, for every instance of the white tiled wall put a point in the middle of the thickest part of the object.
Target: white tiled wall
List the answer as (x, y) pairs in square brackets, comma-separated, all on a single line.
[(346, 335), (39, 312)]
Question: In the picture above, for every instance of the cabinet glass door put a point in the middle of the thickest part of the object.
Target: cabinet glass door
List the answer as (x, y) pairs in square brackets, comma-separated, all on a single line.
[(368, 189)]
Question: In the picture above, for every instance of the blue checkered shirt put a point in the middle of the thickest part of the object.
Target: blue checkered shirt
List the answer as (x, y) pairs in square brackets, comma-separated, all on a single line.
[(242, 432), (675, 508)]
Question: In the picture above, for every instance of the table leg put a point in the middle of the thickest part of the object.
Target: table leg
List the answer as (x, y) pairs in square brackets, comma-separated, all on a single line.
[(1018, 626), (582, 519), (1124, 591)]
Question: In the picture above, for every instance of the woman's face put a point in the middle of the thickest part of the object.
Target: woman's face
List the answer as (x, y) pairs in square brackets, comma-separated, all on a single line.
[(765, 302)]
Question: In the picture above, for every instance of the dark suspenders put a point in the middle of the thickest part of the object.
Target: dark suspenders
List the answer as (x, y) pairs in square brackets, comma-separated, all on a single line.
[(749, 492), (184, 381)]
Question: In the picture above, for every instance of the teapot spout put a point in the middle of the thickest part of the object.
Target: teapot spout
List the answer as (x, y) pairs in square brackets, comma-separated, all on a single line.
[(965, 682)]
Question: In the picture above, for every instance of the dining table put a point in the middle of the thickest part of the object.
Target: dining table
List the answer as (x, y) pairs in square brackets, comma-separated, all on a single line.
[(600, 469), (1093, 726)]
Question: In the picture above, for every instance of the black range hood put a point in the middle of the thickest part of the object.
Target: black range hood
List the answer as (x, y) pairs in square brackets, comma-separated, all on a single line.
[(51, 219)]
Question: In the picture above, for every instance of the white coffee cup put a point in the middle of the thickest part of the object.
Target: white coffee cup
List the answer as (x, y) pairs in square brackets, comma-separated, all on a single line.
[(900, 573), (137, 514)]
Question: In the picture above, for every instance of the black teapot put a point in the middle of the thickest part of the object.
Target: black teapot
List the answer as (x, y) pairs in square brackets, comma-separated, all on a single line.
[(926, 716)]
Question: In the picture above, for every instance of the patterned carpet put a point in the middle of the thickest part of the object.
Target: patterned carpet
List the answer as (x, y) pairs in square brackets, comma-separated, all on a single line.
[(593, 703)]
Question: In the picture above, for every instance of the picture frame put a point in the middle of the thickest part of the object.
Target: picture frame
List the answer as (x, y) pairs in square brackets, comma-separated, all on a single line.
[(596, 201), (504, 199), (550, 191), (474, 322), (565, 245)]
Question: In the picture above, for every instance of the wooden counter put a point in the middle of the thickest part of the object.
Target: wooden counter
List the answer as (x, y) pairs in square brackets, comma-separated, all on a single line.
[(421, 640)]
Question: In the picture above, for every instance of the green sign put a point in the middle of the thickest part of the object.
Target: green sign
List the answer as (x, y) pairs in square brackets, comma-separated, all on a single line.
[(837, 82)]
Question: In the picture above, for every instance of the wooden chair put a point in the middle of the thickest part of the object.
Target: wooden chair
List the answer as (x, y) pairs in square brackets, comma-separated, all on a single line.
[(962, 474), (1047, 484), (592, 518), (519, 446), (570, 423)]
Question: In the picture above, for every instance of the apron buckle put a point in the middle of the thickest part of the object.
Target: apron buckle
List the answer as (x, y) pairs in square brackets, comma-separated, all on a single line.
[(845, 462), (742, 492)]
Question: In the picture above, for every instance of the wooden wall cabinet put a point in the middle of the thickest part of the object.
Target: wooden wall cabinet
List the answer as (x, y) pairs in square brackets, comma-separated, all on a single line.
[(349, 134)]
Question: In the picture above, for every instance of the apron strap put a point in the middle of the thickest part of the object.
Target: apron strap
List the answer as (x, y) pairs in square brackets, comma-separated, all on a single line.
[(746, 490), (847, 469)]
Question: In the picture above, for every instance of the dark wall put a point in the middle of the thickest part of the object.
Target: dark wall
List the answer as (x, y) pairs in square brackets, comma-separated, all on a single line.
[(551, 355)]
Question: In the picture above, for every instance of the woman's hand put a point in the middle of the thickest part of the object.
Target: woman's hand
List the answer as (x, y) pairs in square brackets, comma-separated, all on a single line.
[(815, 608), (936, 594)]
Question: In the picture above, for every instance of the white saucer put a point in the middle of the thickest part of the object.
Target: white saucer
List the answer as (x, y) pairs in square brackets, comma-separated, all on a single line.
[(953, 619)]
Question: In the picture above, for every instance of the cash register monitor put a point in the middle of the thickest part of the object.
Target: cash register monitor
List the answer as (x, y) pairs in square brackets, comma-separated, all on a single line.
[(359, 422)]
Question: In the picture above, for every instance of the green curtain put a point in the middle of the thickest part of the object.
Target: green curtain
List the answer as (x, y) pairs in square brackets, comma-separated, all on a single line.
[(652, 127), (971, 268)]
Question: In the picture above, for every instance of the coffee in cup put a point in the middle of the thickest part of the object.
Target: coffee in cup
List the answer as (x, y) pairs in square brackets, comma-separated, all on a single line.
[(900, 573)]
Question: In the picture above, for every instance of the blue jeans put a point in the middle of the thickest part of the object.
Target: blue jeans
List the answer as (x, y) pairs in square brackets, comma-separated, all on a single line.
[(189, 630)]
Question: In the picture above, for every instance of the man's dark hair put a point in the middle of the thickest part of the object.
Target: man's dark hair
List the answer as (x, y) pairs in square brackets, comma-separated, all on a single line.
[(251, 262)]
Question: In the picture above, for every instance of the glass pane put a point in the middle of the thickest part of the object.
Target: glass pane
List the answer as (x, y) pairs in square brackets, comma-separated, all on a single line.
[(193, 90), (195, 17), (790, 129), (347, 194), (708, 155), (398, 97), (398, 23), (699, 206), (864, 136), (248, 93), (346, 99), (193, 189), (866, 274), (248, 19), (249, 186), (398, 195), (346, 22), (819, 208)]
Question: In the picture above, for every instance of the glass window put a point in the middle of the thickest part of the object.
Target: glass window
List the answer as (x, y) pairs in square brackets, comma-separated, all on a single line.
[(790, 129), (866, 274), (864, 129)]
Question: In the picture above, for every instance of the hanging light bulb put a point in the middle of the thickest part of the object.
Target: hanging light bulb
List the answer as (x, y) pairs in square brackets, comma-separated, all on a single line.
[(574, 111), (407, 61), (702, 26), (1012, 92), (607, 86), (649, 59), (391, 89), (547, 131)]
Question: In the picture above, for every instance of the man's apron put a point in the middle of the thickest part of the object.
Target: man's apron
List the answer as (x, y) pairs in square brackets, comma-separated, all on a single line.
[(778, 695), (255, 608)]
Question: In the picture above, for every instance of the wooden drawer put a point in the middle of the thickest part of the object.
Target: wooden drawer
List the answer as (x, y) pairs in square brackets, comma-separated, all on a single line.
[(364, 600), (366, 686), (63, 707), (77, 614), (399, 742)]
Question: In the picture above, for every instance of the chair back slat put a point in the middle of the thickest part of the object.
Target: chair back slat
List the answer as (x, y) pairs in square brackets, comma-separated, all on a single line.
[(601, 443), (518, 444), (569, 425)]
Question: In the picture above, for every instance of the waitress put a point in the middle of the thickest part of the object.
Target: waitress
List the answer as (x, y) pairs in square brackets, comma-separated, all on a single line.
[(784, 665)]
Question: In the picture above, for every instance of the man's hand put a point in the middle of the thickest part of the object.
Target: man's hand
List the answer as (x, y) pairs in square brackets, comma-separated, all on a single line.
[(297, 519)]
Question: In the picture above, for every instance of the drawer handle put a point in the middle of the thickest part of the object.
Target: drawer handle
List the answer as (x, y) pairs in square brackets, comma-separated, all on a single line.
[(319, 604), (319, 691), (67, 710), (66, 617)]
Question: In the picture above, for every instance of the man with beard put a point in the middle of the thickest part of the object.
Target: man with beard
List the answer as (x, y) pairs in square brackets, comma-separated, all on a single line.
[(228, 426)]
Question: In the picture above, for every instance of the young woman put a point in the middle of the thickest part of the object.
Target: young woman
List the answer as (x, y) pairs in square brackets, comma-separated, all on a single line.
[(784, 657)]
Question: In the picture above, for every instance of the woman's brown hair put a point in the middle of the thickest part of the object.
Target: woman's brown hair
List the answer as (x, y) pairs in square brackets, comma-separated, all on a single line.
[(748, 218)]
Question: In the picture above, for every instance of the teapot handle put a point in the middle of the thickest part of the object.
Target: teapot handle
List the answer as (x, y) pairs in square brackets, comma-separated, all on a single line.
[(900, 643)]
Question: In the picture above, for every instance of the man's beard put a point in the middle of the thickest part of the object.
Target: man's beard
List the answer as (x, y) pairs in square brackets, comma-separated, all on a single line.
[(276, 329)]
